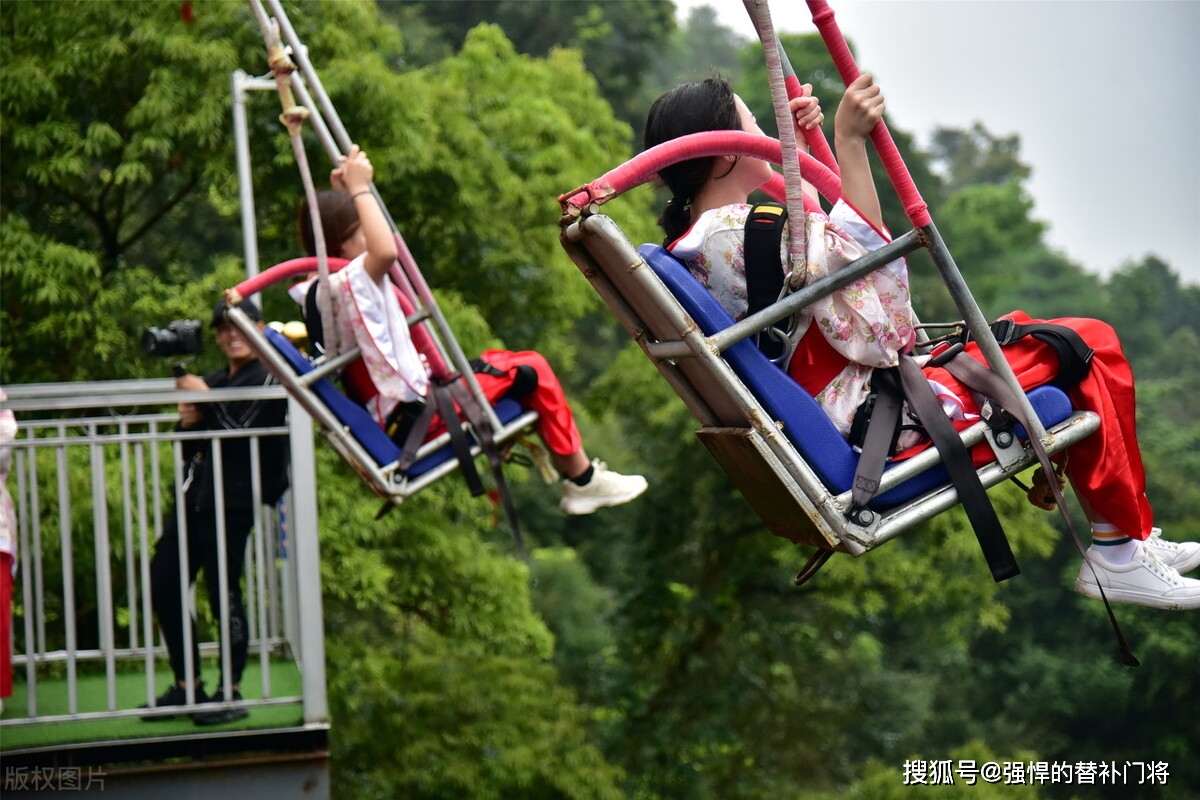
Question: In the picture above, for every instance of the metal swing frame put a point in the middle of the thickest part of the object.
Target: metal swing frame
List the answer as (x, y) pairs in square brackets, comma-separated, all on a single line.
[(345, 425), (706, 359)]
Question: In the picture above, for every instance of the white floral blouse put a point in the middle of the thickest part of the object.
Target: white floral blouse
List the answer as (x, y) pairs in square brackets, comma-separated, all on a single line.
[(870, 321)]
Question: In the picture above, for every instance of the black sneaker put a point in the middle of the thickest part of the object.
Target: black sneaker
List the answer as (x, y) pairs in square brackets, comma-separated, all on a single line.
[(221, 715), (176, 695)]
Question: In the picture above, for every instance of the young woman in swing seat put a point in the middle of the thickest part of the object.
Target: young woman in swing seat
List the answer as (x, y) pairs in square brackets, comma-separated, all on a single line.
[(867, 324), (392, 376)]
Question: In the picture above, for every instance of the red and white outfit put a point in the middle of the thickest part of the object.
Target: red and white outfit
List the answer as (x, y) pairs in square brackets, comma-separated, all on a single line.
[(867, 324), (8, 548), (391, 371)]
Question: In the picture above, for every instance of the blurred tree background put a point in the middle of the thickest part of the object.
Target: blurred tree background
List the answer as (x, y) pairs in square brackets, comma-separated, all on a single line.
[(662, 654)]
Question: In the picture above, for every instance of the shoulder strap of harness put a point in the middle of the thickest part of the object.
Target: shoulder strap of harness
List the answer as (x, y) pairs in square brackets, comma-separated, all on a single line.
[(312, 318), (764, 270), (1074, 354)]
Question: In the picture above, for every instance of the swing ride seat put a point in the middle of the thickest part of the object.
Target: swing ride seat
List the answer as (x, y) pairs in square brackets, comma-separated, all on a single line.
[(769, 435), (351, 430)]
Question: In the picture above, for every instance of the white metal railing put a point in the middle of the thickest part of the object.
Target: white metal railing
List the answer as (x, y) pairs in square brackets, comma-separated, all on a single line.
[(95, 468)]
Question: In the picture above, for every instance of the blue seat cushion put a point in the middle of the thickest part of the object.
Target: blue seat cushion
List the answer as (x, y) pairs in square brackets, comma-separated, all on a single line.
[(360, 423), (806, 426)]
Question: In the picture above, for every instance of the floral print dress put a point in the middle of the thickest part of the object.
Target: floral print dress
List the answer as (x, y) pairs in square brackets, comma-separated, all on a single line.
[(869, 322)]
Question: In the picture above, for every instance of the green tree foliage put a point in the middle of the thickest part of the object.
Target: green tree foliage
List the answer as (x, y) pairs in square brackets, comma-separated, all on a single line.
[(699, 49), (528, 133), (984, 225), (619, 41), (976, 156), (1044, 284), (1148, 305), (658, 650), (114, 120), (440, 684)]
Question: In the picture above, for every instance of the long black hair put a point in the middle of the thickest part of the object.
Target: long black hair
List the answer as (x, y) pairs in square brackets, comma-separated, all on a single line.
[(688, 108), (339, 218)]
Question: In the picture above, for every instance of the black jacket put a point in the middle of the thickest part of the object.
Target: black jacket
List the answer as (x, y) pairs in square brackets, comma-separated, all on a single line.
[(235, 453)]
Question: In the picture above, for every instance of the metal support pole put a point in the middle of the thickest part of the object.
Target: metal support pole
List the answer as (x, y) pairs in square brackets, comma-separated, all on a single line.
[(240, 83), (307, 555), (978, 325)]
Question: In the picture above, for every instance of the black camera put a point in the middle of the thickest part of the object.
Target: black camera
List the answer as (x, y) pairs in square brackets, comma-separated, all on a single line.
[(179, 338)]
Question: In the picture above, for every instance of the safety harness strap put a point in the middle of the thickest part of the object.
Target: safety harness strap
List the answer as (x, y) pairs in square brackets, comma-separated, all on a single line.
[(764, 270), (881, 414), (1074, 354), (444, 396), (410, 422), (407, 426), (486, 436), (957, 461), (890, 387)]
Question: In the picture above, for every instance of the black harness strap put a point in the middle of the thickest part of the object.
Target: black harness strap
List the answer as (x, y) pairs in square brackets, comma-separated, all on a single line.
[(486, 436), (444, 396), (889, 389), (407, 427), (881, 414), (1074, 354), (312, 318), (958, 464), (764, 270), (410, 423)]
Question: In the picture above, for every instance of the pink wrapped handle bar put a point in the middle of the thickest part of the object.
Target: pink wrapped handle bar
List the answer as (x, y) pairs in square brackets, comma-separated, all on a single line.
[(286, 269), (644, 167), (298, 267), (843, 59)]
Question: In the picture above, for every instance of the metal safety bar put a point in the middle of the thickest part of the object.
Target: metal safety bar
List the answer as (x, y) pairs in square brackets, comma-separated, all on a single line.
[(93, 483)]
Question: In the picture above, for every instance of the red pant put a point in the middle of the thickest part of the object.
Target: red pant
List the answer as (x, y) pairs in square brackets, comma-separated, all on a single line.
[(6, 585), (556, 423), (1106, 467)]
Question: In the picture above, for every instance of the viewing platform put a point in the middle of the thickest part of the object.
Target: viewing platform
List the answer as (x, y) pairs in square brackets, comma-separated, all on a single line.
[(95, 470)]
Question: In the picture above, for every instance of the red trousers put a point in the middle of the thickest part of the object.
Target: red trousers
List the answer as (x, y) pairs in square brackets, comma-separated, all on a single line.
[(556, 423), (6, 586), (1105, 468)]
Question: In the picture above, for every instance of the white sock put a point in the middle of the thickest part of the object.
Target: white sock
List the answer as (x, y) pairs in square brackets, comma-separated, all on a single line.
[(1113, 545)]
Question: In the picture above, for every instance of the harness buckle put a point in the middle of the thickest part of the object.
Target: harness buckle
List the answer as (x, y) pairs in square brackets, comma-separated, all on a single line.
[(1006, 331)]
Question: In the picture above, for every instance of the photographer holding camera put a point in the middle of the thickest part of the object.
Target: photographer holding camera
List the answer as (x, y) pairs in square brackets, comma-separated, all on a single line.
[(199, 495)]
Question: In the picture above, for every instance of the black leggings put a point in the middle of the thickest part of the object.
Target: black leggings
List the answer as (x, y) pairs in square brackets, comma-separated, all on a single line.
[(166, 587)]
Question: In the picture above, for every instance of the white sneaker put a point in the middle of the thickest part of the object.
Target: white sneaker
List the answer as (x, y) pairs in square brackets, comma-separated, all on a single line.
[(1145, 581), (1179, 556), (606, 488)]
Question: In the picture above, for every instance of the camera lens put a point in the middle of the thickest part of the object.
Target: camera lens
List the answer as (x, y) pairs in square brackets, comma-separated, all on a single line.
[(180, 338), (157, 342)]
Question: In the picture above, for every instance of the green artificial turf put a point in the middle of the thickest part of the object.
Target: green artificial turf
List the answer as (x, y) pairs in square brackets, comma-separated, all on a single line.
[(131, 693)]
